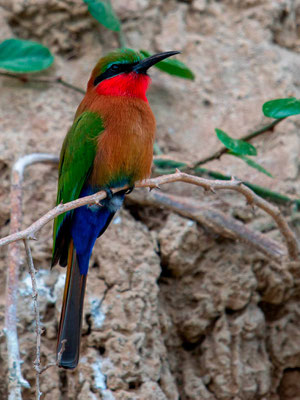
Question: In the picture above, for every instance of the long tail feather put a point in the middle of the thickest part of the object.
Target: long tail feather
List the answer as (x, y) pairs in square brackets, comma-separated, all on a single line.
[(71, 314)]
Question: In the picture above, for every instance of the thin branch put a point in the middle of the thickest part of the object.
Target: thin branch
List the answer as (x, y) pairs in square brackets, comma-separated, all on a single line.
[(38, 329), (223, 150), (36, 307), (30, 233), (16, 381), (207, 184), (56, 80), (69, 85), (212, 218), (269, 127), (259, 190), (30, 159), (57, 362), (238, 186)]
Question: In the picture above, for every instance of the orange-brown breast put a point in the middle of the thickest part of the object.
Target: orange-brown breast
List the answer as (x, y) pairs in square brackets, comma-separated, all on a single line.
[(125, 147)]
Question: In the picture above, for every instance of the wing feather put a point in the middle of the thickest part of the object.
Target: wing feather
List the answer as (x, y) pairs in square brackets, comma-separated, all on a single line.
[(76, 163)]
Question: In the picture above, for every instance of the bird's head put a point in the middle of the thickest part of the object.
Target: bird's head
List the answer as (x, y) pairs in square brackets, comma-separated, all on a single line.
[(124, 73)]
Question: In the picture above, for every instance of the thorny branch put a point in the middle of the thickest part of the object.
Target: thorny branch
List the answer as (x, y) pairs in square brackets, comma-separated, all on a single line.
[(266, 245), (210, 185), (211, 218), (262, 191), (16, 381), (236, 185), (38, 328), (36, 307)]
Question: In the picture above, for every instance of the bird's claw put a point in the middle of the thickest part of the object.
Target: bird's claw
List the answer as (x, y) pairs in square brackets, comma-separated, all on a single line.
[(129, 190)]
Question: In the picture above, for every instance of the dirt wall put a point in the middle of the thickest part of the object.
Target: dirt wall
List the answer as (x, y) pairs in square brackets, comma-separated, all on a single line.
[(173, 310)]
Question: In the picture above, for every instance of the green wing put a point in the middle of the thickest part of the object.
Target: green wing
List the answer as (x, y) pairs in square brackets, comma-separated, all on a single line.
[(76, 161)]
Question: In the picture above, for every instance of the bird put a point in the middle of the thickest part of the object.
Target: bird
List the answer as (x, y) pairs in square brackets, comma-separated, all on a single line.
[(109, 145)]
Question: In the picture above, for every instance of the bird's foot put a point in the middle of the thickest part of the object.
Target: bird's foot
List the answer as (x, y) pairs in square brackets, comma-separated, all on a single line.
[(109, 194), (106, 200)]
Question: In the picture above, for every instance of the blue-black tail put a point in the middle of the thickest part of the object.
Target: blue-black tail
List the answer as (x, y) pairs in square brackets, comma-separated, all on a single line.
[(87, 223), (71, 313)]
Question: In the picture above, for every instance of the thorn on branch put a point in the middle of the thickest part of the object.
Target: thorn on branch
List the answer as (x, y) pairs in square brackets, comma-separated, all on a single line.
[(154, 186), (60, 206), (250, 203), (236, 180), (208, 189), (96, 203)]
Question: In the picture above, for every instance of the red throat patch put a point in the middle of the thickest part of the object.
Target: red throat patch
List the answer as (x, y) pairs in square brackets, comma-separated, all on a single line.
[(129, 85)]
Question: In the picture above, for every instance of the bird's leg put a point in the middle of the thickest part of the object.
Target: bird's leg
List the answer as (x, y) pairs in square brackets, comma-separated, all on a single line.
[(109, 194), (106, 200)]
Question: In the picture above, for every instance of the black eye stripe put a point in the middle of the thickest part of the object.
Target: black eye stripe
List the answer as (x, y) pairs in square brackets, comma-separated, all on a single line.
[(113, 70)]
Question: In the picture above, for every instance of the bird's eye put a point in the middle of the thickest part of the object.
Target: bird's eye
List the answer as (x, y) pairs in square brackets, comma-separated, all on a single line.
[(115, 67)]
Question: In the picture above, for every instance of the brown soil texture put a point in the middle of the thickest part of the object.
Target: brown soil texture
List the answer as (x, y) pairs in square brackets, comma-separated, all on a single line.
[(172, 311)]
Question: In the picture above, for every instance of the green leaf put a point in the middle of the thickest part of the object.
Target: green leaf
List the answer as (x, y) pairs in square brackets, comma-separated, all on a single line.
[(281, 108), (236, 145), (172, 67), (24, 56), (252, 163), (103, 12), (163, 163)]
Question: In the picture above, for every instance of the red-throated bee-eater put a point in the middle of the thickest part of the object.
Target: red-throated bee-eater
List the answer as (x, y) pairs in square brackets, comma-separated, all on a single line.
[(109, 145)]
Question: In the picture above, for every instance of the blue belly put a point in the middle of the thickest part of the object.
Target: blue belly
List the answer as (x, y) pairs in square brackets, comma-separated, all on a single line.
[(89, 222)]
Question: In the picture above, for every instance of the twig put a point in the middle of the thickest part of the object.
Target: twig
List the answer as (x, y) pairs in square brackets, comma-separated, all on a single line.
[(38, 329), (262, 130), (36, 307), (69, 85), (213, 219), (16, 381), (259, 190), (56, 80), (247, 137), (238, 186), (59, 355), (210, 185)]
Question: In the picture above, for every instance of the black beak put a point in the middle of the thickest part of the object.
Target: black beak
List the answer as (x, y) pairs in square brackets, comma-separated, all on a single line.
[(145, 64)]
